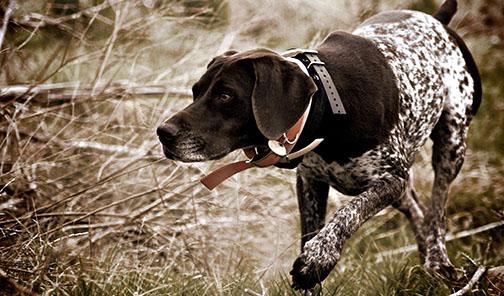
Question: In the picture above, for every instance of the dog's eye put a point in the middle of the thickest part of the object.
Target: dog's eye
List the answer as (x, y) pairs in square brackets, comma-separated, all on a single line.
[(224, 97)]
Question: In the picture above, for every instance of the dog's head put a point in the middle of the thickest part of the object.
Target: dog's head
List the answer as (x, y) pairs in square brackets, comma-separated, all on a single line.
[(242, 100)]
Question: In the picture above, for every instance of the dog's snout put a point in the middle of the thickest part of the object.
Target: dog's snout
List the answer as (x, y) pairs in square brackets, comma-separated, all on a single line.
[(167, 131)]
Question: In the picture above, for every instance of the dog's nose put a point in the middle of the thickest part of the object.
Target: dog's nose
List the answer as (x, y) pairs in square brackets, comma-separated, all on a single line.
[(167, 131)]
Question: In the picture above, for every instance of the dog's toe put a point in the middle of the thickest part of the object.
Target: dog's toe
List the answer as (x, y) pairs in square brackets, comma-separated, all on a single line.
[(444, 270), (305, 275), (311, 267)]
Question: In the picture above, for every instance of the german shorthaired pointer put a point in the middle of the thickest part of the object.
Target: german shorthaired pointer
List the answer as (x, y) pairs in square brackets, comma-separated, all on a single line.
[(402, 76)]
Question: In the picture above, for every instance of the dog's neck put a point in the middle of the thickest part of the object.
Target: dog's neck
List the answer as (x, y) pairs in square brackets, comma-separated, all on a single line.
[(317, 112)]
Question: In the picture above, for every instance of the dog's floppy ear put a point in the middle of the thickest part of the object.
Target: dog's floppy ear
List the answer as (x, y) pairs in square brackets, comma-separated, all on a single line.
[(281, 92)]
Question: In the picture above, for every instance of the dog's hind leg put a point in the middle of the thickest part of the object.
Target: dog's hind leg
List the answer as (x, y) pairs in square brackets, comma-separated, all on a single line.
[(414, 210), (449, 137), (312, 200)]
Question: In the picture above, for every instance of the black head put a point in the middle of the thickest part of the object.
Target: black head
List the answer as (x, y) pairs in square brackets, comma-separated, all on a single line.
[(242, 100)]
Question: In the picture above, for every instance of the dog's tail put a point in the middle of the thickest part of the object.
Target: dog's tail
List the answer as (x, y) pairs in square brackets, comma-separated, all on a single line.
[(446, 11)]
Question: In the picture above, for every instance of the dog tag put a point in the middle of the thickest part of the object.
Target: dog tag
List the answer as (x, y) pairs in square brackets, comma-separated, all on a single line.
[(277, 148)]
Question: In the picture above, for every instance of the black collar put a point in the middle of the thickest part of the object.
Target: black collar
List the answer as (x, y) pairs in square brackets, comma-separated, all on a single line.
[(320, 101), (318, 72)]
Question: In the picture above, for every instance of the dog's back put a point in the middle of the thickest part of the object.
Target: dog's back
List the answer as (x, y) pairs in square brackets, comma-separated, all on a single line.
[(430, 67)]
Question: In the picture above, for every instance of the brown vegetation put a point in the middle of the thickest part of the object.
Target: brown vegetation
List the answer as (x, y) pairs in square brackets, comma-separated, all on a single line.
[(88, 204)]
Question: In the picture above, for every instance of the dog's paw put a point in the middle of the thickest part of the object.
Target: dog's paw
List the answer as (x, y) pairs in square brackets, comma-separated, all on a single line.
[(444, 270), (312, 266), (438, 263)]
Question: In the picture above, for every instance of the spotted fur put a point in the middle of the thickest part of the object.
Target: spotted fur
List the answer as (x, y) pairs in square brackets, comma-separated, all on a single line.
[(438, 95)]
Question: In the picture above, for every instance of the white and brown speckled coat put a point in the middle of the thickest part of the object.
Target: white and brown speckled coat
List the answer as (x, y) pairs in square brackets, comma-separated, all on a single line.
[(439, 92)]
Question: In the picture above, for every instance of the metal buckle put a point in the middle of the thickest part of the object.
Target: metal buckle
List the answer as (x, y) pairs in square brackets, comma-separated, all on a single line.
[(315, 63), (286, 140), (277, 148)]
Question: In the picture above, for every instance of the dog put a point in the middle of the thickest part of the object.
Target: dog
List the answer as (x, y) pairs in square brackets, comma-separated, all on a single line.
[(401, 77)]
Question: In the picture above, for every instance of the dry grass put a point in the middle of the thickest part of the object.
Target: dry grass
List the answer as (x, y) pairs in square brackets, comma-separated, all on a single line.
[(89, 206)]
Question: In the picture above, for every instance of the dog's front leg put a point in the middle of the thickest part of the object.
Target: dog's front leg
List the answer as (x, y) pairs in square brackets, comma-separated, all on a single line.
[(312, 201), (321, 253)]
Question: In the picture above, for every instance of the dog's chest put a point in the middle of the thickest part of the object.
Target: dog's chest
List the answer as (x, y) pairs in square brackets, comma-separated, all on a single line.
[(350, 178)]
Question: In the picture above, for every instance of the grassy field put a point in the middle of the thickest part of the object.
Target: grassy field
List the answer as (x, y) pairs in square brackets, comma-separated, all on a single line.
[(89, 206)]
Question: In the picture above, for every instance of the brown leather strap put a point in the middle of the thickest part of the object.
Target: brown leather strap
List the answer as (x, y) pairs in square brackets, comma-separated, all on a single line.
[(218, 176)]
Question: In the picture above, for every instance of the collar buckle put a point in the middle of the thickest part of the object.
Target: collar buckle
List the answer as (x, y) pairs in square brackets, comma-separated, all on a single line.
[(315, 63), (277, 148)]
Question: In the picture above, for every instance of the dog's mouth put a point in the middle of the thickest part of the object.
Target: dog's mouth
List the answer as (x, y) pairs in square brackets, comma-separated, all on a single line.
[(182, 144), (190, 151), (178, 147), (186, 152), (167, 152)]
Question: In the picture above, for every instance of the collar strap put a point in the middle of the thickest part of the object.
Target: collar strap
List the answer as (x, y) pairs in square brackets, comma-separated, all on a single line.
[(318, 72)]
